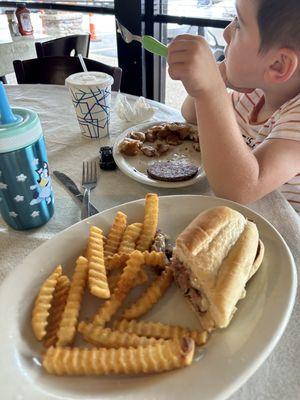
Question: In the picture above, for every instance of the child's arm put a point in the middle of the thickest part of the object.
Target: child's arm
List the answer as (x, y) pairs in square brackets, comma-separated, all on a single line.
[(188, 110), (233, 170)]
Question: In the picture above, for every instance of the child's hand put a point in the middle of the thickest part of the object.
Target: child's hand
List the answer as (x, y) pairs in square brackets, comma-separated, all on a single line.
[(191, 61)]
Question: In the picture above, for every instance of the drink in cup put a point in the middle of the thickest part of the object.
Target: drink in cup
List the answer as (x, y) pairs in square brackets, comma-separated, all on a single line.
[(91, 96), (26, 197)]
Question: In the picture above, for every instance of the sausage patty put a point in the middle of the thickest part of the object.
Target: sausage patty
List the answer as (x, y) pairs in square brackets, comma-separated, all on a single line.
[(172, 171)]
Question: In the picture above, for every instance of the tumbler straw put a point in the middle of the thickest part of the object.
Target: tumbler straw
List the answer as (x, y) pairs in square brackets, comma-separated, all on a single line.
[(82, 63), (6, 114)]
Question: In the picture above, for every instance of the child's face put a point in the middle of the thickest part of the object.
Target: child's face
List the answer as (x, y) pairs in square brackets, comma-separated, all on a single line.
[(244, 66)]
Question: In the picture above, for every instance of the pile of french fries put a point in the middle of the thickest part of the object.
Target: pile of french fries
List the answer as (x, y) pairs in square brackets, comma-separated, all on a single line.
[(110, 268)]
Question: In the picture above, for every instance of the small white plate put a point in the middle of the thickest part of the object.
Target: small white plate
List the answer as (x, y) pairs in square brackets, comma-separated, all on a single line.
[(136, 167), (230, 357)]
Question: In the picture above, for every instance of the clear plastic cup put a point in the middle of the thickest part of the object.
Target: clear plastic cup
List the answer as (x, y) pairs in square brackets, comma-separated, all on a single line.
[(91, 96)]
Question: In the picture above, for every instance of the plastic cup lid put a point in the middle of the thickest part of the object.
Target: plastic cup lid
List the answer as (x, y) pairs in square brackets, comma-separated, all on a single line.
[(90, 78), (22, 133)]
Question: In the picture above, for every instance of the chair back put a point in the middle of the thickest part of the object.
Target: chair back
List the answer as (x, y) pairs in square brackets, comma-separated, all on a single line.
[(65, 46), (54, 70)]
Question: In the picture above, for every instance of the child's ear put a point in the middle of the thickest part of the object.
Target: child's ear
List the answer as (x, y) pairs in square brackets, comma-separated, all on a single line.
[(282, 66)]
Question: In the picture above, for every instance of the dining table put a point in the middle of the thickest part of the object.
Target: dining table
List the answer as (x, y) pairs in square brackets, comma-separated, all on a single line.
[(279, 376), (18, 48)]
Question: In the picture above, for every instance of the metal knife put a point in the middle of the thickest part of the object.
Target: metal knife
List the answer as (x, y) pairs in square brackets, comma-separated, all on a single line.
[(72, 188)]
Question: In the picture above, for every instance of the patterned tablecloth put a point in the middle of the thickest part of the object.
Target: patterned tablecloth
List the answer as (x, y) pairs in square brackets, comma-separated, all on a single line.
[(279, 377)]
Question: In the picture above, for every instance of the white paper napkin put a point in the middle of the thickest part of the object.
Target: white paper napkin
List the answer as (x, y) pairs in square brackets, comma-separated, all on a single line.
[(139, 111)]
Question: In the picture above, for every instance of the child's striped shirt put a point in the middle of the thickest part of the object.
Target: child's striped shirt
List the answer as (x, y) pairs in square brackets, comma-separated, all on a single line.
[(283, 124)]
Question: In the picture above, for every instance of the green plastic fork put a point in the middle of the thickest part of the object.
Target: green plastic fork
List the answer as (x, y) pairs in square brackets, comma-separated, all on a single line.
[(148, 42)]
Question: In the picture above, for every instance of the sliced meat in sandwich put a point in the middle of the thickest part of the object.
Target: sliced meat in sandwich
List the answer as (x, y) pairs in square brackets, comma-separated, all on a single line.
[(213, 259)]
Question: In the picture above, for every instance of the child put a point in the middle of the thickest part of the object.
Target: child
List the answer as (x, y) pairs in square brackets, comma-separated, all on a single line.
[(250, 140)]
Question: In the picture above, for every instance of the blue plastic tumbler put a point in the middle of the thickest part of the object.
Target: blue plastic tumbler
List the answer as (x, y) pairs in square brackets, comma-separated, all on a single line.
[(26, 197)]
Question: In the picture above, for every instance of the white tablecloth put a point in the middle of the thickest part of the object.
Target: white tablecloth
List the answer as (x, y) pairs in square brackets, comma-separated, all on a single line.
[(279, 377)]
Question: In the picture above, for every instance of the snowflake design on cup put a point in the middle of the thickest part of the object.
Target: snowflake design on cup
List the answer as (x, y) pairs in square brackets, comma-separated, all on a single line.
[(3, 185), (21, 178), (19, 198)]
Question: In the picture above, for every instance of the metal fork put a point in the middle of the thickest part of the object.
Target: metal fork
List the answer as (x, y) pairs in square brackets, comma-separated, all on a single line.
[(89, 181)]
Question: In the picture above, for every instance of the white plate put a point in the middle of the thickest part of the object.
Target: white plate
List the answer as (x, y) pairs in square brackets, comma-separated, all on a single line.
[(230, 357), (136, 167)]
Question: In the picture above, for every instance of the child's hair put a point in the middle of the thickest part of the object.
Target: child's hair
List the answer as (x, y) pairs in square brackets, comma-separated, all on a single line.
[(278, 22)]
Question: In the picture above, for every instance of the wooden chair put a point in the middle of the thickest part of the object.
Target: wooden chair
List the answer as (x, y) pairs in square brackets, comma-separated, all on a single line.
[(54, 70), (65, 46)]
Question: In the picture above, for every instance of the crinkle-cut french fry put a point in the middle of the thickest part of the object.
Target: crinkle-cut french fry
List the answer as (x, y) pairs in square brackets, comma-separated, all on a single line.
[(67, 326), (130, 272), (113, 280), (150, 222), (155, 258), (115, 234), (151, 296), (131, 235), (58, 303), (109, 308), (94, 243), (159, 330), (97, 274), (106, 337), (163, 356), (104, 239), (140, 279), (124, 285), (116, 261), (42, 304), (86, 252)]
